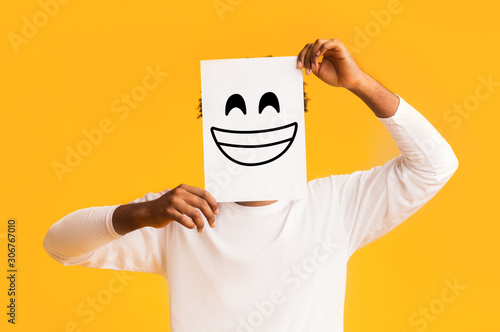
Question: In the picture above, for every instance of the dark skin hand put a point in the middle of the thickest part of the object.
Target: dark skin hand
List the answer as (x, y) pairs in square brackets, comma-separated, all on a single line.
[(186, 204), (338, 68), (179, 204)]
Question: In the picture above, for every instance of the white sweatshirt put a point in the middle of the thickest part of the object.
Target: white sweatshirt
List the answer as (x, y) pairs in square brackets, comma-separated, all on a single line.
[(280, 267)]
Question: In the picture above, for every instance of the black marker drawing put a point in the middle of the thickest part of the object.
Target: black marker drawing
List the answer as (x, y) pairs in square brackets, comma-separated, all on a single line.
[(267, 99), (236, 101)]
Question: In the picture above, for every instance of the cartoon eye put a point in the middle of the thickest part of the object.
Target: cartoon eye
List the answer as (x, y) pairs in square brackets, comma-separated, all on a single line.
[(236, 101), (269, 99)]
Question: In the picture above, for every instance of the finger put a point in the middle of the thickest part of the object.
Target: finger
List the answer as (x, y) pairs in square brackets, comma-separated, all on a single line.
[(300, 57), (333, 45), (307, 60), (194, 214), (202, 205), (314, 53), (208, 197), (182, 219)]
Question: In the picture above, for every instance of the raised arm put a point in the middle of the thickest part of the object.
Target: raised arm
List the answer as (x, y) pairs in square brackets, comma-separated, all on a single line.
[(375, 201)]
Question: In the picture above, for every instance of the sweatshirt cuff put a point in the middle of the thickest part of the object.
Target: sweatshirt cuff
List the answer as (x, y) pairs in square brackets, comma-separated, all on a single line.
[(109, 223), (407, 125), (401, 109)]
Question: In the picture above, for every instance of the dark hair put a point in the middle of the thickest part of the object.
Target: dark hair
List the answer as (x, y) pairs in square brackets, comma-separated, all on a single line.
[(306, 99)]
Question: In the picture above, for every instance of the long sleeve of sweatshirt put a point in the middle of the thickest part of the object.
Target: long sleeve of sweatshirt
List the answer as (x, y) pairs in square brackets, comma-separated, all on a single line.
[(86, 237), (375, 201)]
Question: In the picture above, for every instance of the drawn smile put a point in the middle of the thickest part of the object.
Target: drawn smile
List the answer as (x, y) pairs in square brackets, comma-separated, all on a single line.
[(254, 147)]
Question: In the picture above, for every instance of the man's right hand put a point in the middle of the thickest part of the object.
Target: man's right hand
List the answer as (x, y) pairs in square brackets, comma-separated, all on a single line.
[(181, 204)]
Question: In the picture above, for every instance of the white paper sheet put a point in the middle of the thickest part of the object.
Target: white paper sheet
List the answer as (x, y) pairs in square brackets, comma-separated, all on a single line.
[(253, 129)]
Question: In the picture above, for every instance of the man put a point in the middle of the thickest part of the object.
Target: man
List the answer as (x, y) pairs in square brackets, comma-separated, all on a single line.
[(267, 265)]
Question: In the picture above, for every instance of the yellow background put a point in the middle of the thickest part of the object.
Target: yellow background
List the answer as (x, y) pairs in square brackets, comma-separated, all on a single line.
[(64, 79)]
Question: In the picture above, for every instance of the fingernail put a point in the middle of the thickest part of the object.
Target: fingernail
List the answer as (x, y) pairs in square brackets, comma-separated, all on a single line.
[(200, 230), (317, 53), (313, 66), (213, 224), (216, 211), (299, 64)]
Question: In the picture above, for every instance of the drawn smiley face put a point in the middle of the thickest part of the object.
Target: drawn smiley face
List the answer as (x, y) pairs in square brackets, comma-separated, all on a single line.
[(268, 144)]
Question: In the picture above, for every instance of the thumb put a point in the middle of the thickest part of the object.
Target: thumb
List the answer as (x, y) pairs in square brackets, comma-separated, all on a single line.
[(317, 69)]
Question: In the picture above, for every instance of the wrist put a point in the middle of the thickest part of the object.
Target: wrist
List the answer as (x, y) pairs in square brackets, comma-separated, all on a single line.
[(381, 101), (129, 217), (362, 85), (143, 214)]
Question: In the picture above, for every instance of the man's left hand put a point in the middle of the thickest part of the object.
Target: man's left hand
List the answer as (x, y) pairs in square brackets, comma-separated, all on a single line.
[(338, 67)]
